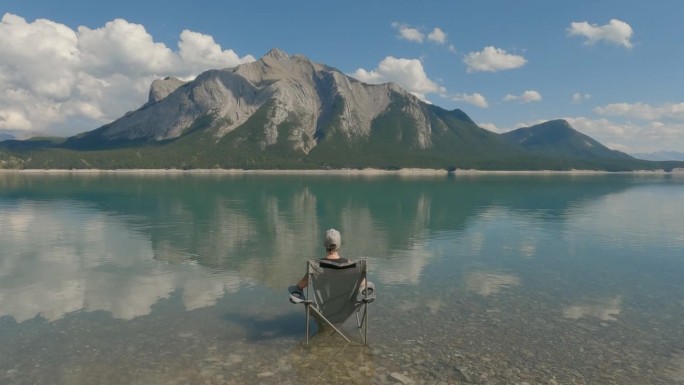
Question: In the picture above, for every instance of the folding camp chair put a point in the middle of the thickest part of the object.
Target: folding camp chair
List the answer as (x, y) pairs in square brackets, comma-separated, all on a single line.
[(337, 294)]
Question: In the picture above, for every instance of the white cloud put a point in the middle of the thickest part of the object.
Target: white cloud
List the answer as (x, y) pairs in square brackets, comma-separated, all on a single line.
[(199, 52), (526, 97), (438, 36), (408, 73), (475, 99), (643, 111), (615, 32), (578, 97), (600, 128), (409, 33), (61, 81), (406, 32), (14, 119), (492, 59), (632, 137), (491, 127), (121, 47)]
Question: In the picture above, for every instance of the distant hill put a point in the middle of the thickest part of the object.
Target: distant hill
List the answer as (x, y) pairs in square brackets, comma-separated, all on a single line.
[(661, 156), (4, 136), (284, 111), (558, 138)]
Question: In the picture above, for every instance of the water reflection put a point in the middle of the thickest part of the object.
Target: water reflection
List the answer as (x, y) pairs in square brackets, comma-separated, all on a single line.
[(605, 309), (63, 257), (175, 279), (91, 242), (490, 283)]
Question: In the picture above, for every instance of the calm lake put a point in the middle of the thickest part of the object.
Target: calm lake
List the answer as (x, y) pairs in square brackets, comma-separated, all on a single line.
[(487, 279)]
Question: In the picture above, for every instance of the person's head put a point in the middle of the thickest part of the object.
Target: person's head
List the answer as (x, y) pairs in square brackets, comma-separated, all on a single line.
[(332, 240)]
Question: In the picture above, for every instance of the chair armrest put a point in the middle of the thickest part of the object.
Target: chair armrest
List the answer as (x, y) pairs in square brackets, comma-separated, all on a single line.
[(297, 295), (367, 295)]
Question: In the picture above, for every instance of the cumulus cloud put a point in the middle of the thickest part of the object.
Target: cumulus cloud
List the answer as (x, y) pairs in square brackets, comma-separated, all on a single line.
[(475, 99), (578, 97), (406, 32), (408, 73), (199, 52), (121, 47), (491, 127), (632, 137), (409, 33), (438, 36), (526, 97), (492, 59), (61, 81), (643, 111), (615, 32)]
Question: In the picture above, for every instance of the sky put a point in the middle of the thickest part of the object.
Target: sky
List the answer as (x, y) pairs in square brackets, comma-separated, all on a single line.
[(613, 69)]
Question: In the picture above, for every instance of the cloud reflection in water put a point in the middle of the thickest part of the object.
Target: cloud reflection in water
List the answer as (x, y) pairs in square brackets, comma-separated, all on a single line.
[(485, 284), (57, 260), (605, 309)]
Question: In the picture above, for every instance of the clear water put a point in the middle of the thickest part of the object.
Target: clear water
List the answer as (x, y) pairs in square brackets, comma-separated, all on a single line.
[(181, 279)]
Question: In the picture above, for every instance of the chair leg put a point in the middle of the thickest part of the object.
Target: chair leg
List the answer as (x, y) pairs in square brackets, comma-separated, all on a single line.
[(307, 324), (365, 324), (362, 323)]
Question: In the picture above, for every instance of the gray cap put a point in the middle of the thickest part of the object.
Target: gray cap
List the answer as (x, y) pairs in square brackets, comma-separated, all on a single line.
[(332, 237)]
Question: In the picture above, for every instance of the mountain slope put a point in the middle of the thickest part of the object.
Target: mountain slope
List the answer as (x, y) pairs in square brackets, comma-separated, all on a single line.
[(558, 138)]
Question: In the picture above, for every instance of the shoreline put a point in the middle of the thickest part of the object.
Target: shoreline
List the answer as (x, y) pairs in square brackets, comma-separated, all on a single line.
[(362, 172)]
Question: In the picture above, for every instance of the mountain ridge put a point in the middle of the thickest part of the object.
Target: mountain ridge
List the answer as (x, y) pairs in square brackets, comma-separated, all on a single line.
[(285, 111)]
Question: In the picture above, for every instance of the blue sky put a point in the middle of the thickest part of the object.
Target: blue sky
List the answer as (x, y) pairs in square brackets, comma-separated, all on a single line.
[(613, 69)]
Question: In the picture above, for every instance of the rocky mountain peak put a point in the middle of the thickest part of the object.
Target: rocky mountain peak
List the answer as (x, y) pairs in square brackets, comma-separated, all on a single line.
[(312, 100), (277, 54), (558, 124), (161, 88)]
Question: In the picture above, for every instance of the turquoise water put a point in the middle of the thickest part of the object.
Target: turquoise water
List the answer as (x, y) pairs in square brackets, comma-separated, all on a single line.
[(181, 279)]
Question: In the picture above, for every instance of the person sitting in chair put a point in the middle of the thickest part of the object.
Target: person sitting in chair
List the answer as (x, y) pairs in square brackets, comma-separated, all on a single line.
[(339, 290), (332, 242)]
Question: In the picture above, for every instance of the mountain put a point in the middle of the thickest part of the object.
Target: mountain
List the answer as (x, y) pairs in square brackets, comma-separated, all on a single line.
[(558, 138), (4, 136), (287, 89), (661, 156), (285, 111)]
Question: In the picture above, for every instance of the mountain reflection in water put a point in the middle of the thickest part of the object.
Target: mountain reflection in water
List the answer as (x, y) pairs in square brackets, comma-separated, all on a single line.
[(459, 261)]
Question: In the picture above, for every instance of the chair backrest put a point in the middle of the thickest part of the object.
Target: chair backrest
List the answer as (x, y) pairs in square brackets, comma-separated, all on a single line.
[(336, 287)]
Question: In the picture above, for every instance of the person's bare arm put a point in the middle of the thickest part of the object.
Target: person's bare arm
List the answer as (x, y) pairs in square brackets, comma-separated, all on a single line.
[(304, 282)]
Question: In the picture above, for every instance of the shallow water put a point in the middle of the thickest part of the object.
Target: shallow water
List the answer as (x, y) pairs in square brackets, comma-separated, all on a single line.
[(181, 279)]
